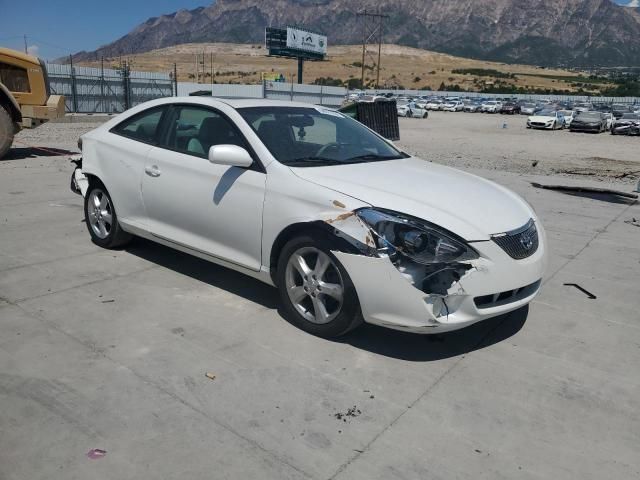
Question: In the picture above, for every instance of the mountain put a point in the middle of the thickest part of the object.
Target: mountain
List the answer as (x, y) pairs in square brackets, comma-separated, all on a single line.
[(541, 32)]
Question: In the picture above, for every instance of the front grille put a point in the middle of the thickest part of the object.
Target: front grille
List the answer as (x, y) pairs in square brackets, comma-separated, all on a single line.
[(538, 124), (520, 243), (504, 298)]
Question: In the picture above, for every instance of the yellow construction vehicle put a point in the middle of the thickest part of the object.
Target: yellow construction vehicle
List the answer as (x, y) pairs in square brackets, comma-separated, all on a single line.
[(25, 99)]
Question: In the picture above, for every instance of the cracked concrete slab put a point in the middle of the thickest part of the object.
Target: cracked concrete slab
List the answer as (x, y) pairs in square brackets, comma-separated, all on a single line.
[(110, 349)]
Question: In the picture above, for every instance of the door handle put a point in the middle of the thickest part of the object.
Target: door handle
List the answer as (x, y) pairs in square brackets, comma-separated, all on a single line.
[(152, 171)]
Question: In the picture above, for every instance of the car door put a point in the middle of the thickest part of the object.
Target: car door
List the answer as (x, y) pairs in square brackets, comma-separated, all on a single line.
[(136, 135), (210, 208)]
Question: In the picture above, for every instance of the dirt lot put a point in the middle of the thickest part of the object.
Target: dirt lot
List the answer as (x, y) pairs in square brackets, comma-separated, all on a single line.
[(497, 142), (110, 350)]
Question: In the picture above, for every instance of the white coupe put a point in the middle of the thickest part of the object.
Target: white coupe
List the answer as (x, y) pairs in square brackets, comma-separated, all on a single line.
[(547, 120), (455, 106), (411, 110), (348, 227)]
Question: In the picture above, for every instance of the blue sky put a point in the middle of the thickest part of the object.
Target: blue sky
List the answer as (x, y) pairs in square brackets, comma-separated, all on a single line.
[(55, 28)]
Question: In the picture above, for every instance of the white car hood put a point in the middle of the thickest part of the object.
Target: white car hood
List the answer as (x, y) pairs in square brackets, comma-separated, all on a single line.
[(470, 206), (540, 118)]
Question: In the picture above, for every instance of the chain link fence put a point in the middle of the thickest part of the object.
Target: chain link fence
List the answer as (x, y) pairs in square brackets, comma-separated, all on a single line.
[(106, 90)]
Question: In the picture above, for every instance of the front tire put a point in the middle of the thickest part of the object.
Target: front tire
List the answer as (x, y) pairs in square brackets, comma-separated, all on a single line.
[(101, 218), (7, 131), (316, 291)]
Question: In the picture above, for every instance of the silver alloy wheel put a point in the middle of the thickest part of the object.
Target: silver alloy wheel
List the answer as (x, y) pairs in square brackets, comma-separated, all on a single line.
[(100, 213), (317, 291)]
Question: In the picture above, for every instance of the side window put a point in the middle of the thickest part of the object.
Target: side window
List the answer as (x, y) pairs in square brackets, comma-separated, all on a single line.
[(14, 78), (195, 130), (142, 127)]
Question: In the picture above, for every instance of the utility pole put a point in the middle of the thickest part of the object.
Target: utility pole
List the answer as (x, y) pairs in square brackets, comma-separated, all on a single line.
[(25, 45), (380, 34), (175, 78), (368, 34), (364, 45), (212, 71)]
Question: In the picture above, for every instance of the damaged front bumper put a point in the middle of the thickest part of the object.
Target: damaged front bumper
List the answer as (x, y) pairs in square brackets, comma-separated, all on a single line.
[(468, 292)]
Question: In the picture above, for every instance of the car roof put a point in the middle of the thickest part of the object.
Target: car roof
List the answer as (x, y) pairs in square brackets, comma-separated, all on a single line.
[(232, 102)]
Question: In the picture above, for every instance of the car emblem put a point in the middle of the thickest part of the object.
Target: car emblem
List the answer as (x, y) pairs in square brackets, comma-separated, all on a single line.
[(526, 240)]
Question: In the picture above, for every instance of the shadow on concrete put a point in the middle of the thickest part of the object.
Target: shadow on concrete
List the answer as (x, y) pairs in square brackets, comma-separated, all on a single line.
[(206, 272), (22, 153), (603, 197), (427, 348), (374, 339)]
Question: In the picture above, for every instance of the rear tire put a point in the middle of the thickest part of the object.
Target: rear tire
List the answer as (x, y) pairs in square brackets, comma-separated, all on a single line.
[(101, 218), (300, 294), (7, 132)]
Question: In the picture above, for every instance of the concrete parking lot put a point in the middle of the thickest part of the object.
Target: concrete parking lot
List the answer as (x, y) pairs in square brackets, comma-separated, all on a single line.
[(110, 349)]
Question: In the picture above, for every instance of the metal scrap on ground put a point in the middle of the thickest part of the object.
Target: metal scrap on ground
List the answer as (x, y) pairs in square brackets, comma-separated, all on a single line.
[(574, 189), (583, 290)]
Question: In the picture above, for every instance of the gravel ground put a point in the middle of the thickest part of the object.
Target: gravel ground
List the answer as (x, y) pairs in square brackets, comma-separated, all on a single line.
[(473, 140), (463, 140)]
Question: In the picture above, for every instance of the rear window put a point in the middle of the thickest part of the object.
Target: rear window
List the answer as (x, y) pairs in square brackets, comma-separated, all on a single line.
[(14, 78)]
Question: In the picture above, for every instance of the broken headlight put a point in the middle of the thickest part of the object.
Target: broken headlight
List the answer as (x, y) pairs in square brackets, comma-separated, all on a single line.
[(418, 240)]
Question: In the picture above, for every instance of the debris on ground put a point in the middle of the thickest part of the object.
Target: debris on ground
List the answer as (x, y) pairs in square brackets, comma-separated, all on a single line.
[(108, 301), (210, 376), (633, 221), (586, 292), (352, 412), (96, 453), (574, 189)]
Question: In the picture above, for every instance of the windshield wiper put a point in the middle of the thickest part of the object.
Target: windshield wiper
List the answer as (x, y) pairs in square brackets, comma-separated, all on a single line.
[(313, 160), (372, 156)]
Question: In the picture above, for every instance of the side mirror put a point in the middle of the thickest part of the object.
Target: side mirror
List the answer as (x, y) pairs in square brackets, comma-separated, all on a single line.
[(231, 155)]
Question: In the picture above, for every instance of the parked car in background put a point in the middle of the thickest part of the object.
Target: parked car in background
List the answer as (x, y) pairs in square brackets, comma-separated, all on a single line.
[(601, 107), (491, 106), (546, 119), (595, 122), (628, 124), (530, 108), (510, 108), (619, 110), (471, 106), (346, 226), (583, 107), (411, 110), (434, 105), (453, 106), (373, 98), (568, 117), (608, 116)]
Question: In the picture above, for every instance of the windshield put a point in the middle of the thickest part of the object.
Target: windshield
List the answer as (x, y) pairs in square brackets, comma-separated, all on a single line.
[(311, 137), (547, 113), (590, 116), (566, 113), (631, 116)]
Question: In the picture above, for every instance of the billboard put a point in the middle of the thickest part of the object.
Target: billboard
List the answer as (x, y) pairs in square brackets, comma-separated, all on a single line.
[(294, 42), (306, 41)]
